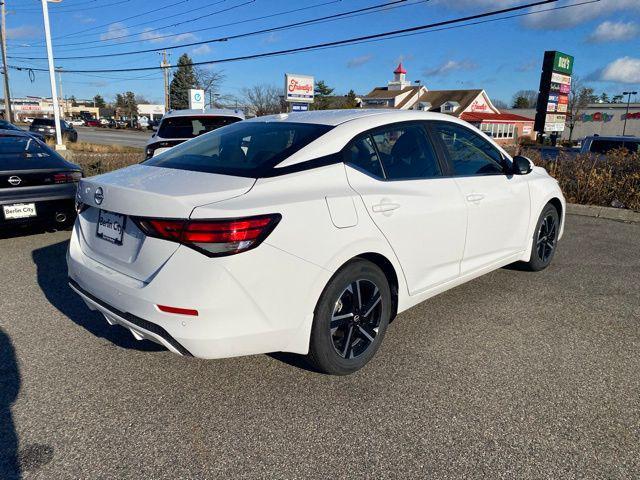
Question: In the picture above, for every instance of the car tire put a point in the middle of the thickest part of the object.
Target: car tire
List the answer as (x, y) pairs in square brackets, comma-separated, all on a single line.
[(350, 319), (545, 239)]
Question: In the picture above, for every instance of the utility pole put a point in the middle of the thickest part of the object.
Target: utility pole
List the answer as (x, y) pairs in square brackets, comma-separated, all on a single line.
[(62, 100), (3, 46), (165, 73), (624, 128), (52, 74)]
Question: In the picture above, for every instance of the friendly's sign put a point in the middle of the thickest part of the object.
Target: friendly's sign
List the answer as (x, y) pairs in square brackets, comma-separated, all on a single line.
[(298, 88), (196, 99)]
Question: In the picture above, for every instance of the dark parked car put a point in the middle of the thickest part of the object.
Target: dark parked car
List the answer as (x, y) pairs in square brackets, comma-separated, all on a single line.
[(4, 125), (47, 127), (36, 184)]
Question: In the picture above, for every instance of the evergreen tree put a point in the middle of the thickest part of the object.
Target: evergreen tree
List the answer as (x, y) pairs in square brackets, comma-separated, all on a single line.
[(183, 80), (99, 101), (350, 100), (322, 93)]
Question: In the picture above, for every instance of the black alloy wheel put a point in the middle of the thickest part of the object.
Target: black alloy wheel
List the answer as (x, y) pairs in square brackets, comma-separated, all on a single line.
[(356, 318), (547, 235), (545, 239), (350, 319)]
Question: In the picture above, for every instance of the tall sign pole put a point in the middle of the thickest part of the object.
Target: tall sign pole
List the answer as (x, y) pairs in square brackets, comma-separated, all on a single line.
[(3, 47), (552, 108), (52, 74), (165, 73)]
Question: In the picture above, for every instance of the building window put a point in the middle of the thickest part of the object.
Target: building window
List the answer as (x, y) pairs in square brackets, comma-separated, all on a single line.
[(498, 130)]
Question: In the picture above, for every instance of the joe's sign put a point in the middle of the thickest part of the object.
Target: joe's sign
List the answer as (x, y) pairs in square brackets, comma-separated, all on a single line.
[(298, 88)]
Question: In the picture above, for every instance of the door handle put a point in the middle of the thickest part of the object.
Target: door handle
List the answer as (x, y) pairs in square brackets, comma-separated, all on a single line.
[(475, 197), (385, 207)]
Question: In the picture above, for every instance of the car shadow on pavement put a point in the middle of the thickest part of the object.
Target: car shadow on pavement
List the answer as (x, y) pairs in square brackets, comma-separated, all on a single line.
[(9, 388), (51, 266)]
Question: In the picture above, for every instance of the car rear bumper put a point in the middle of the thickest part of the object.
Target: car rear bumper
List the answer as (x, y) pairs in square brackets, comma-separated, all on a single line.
[(51, 202), (255, 302)]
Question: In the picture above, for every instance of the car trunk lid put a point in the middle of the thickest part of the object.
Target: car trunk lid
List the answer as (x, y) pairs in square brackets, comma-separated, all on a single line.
[(145, 191)]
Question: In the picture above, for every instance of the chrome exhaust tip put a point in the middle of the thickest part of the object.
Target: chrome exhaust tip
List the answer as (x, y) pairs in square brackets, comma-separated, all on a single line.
[(61, 217)]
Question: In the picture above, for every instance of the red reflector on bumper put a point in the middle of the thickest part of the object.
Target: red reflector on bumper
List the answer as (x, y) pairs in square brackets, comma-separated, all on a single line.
[(178, 311)]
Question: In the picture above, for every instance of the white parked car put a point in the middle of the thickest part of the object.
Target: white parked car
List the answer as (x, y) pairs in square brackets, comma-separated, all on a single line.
[(77, 122), (178, 126), (307, 232)]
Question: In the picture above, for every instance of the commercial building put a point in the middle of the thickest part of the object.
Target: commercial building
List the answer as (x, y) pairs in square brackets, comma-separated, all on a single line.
[(473, 105), (604, 119)]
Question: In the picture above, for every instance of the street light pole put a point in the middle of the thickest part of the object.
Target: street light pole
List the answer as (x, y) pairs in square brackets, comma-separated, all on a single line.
[(52, 75), (3, 47), (624, 128)]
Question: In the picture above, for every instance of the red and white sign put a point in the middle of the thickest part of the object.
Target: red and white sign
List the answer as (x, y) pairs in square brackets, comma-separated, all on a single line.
[(563, 99), (561, 79), (298, 88)]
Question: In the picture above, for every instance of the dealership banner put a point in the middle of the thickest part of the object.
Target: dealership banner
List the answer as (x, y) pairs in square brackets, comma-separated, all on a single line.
[(553, 94), (298, 88)]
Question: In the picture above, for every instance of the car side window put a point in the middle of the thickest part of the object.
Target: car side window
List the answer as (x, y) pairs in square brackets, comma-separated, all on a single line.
[(406, 153), (469, 153), (362, 154)]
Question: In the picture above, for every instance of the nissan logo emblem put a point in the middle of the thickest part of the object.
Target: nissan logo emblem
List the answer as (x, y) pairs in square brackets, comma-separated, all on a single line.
[(15, 181), (98, 196)]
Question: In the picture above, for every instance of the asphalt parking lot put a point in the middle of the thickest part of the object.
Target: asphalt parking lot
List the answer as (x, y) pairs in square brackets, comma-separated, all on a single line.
[(513, 375)]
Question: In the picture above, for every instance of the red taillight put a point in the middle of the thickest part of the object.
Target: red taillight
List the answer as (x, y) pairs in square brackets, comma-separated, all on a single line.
[(67, 177), (213, 237), (177, 310)]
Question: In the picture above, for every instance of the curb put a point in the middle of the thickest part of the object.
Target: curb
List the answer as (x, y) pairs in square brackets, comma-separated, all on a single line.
[(604, 212)]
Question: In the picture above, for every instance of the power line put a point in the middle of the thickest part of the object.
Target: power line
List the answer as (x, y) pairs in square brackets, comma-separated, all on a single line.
[(248, 20), (175, 24), (394, 3), (350, 41), (67, 8)]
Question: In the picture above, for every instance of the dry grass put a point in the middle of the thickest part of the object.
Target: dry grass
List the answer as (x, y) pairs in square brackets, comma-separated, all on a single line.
[(611, 181), (96, 159), (585, 179)]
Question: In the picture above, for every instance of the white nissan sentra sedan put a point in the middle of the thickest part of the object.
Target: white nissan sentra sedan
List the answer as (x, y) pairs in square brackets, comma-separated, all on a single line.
[(306, 232)]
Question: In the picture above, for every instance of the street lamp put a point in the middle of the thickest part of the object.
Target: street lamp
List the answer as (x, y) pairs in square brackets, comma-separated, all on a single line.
[(624, 128), (52, 74)]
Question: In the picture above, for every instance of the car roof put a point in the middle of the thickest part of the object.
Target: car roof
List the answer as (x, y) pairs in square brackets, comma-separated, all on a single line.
[(14, 133), (212, 112), (614, 138), (337, 117)]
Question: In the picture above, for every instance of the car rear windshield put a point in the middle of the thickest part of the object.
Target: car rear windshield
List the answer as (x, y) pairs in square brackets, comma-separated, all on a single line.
[(40, 122), (25, 152), (247, 149), (190, 127), (606, 146)]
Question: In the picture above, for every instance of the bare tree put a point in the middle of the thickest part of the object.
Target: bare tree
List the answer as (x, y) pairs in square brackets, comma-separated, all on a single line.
[(263, 99), (525, 99), (209, 81), (579, 99)]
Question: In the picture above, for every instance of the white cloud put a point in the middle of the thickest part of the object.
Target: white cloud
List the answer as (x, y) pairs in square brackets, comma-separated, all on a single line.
[(201, 50), (547, 18), (358, 61), (614, 32), (570, 17), (82, 18), (450, 66), (24, 31), (115, 31), (622, 70), (154, 36), (184, 37), (273, 37)]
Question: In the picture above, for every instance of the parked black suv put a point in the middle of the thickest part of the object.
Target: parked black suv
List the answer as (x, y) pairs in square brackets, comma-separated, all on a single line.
[(47, 128)]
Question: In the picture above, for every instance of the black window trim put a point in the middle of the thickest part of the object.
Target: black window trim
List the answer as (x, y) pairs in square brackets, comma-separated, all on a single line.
[(423, 124), (450, 165)]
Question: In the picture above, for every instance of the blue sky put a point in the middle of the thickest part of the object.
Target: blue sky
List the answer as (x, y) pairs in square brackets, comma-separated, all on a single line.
[(502, 57)]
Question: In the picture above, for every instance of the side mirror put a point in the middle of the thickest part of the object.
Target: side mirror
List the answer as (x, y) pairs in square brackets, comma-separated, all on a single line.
[(521, 165), (154, 128)]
